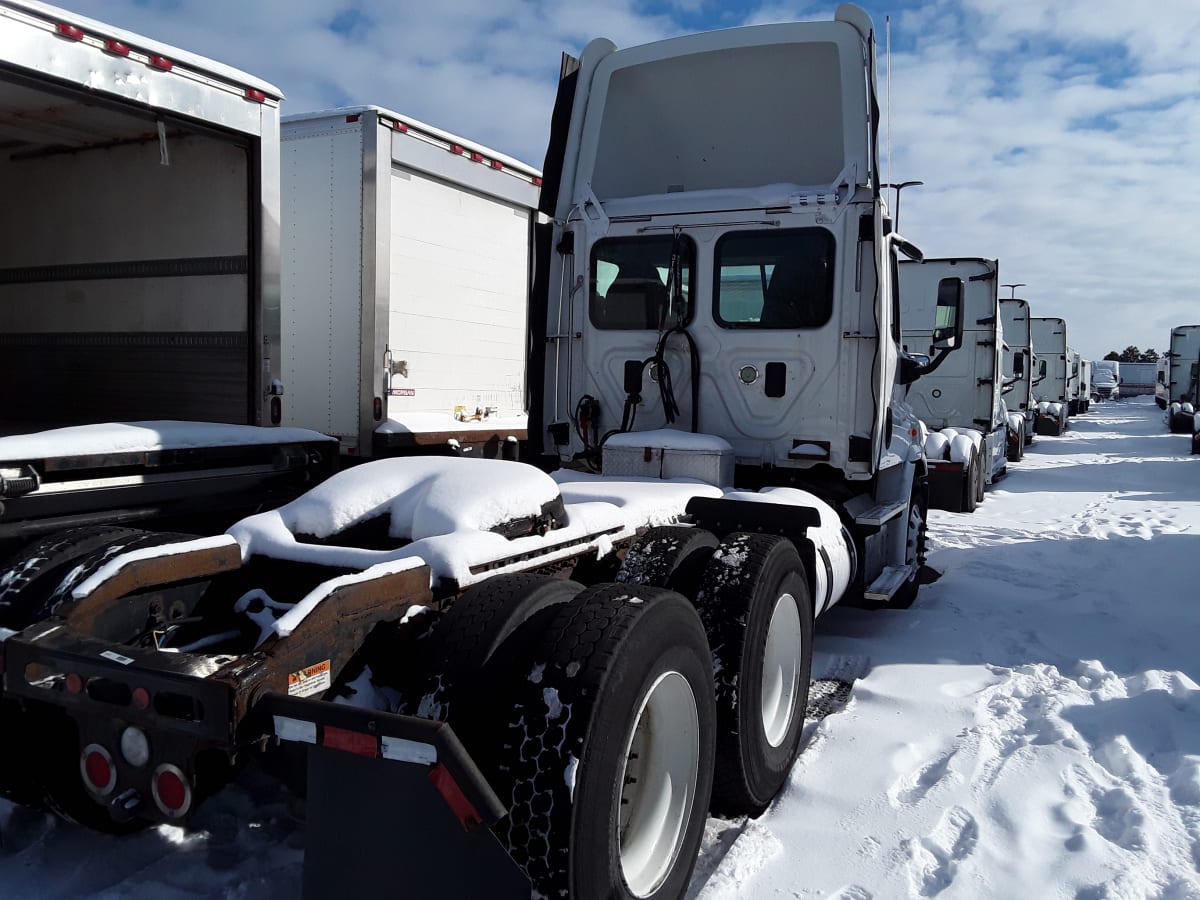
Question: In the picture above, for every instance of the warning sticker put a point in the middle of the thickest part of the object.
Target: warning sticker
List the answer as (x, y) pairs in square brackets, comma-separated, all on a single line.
[(310, 680), (117, 657), (402, 392)]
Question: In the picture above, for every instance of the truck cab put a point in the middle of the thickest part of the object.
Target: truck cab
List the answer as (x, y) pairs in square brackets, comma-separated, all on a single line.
[(1106, 379), (1020, 364), (1050, 341), (1182, 378), (959, 403)]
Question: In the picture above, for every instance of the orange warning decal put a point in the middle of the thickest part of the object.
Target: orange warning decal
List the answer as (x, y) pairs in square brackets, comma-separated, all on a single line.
[(310, 680)]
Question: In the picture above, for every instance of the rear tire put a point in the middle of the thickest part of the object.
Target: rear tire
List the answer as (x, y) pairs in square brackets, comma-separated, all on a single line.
[(475, 644), (756, 607), (30, 577), (970, 498), (669, 556), (609, 756), (918, 516)]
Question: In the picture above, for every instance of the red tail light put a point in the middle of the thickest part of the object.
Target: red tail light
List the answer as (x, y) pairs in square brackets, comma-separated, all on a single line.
[(74, 684), (171, 791), (141, 698), (99, 773)]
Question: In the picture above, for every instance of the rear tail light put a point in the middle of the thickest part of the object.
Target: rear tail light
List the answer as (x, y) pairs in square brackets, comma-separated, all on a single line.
[(99, 773), (171, 790), (141, 698), (74, 684)]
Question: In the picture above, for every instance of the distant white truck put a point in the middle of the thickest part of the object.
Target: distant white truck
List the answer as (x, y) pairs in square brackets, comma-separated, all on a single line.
[(959, 403), (1019, 368), (1183, 378), (1162, 370), (1050, 343), (1076, 387), (1106, 379), (406, 269)]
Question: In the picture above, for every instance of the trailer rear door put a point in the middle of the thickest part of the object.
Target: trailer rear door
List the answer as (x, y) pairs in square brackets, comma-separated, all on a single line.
[(459, 279)]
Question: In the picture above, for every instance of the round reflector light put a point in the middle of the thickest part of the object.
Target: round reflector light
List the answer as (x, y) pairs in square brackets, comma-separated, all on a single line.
[(171, 791), (141, 698), (74, 684), (99, 773), (134, 746)]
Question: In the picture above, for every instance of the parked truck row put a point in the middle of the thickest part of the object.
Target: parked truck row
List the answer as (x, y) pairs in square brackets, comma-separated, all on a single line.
[(531, 633), (1177, 388)]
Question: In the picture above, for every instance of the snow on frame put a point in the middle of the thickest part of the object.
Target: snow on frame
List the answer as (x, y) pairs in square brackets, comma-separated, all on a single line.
[(145, 437), (437, 423), (121, 560)]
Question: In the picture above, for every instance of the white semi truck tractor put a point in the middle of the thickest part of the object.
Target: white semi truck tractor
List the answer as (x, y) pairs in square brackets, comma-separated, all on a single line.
[(960, 404), (1053, 371), (555, 675), (1020, 364)]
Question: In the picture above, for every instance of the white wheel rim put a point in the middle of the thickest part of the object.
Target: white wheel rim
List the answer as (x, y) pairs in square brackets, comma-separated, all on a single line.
[(658, 783), (781, 665)]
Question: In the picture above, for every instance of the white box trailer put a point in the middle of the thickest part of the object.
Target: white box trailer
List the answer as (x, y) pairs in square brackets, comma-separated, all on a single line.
[(406, 265), (1050, 344), (1019, 364), (959, 403), (139, 281), (1183, 378)]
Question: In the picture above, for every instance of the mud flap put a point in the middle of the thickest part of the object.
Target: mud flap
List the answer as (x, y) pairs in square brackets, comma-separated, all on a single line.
[(946, 487), (396, 807), (1048, 426)]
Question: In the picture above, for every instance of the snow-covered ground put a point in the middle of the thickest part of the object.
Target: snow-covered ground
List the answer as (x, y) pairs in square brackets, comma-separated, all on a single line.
[(1030, 728)]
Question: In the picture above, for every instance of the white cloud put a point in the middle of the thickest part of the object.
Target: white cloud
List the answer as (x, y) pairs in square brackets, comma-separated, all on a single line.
[(1062, 138)]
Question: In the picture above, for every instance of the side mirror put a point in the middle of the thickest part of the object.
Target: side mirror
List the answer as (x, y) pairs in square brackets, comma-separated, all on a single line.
[(947, 323)]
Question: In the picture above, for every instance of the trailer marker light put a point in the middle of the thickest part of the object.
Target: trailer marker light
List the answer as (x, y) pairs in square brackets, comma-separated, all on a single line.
[(352, 118), (141, 698), (161, 62), (378, 408), (537, 181), (496, 164), (468, 816), (96, 766), (289, 729), (74, 684), (256, 95), (134, 746), (403, 750), (457, 148), (401, 127), (476, 157), (69, 31), (116, 47), (171, 790), (350, 741)]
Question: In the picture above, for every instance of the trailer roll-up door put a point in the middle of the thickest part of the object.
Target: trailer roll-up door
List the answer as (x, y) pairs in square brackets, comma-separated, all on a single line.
[(459, 279)]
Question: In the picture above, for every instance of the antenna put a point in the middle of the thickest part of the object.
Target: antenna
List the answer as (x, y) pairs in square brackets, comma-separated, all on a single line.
[(1014, 287), (887, 30)]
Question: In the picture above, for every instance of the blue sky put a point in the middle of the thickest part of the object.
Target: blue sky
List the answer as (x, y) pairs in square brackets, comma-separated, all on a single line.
[(1061, 137)]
